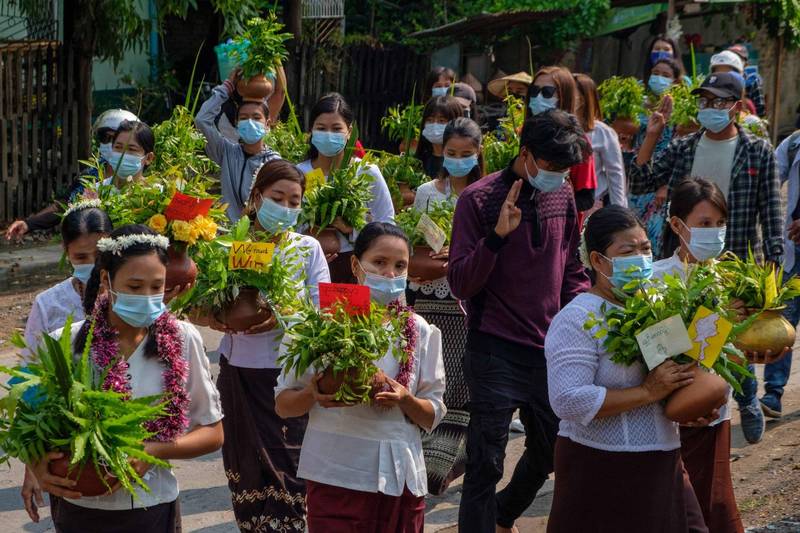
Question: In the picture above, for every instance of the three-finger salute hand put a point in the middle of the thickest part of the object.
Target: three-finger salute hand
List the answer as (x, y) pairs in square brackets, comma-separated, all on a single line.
[(510, 214)]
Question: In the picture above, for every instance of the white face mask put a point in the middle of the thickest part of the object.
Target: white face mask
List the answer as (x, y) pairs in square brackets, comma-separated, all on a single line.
[(705, 243)]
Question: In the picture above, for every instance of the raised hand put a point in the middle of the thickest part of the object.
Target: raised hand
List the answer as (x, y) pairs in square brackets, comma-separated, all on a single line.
[(510, 214), (658, 120)]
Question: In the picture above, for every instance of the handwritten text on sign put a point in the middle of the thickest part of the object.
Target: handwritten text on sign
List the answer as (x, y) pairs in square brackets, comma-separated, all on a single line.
[(433, 234), (185, 207), (663, 340), (250, 255), (355, 298)]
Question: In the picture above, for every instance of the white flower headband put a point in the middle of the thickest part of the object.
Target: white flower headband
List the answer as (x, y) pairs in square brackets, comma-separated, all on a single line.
[(83, 204), (583, 251), (118, 244)]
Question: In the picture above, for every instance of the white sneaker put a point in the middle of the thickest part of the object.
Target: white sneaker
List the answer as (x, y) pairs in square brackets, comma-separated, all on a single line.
[(516, 426)]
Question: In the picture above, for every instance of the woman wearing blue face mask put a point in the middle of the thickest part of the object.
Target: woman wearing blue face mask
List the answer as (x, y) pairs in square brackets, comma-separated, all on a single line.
[(238, 161), (438, 111), (698, 215), (612, 419), (248, 371), (331, 122), (438, 82), (132, 151), (363, 464), (140, 347), (663, 47)]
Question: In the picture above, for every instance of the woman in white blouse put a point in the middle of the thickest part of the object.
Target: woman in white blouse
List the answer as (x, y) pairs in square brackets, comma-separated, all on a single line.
[(617, 461), (363, 464), (608, 164), (147, 351), (331, 126)]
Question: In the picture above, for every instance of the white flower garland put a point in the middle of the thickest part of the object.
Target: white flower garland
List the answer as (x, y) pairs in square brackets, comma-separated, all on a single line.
[(118, 244), (83, 204), (583, 251)]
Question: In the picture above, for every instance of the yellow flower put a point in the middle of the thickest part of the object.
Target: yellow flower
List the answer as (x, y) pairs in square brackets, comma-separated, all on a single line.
[(184, 231), (206, 228), (158, 223)]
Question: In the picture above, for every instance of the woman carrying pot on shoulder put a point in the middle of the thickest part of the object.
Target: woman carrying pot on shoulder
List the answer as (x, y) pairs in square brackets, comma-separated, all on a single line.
[(363, 464), (698, 214), (613, 426), (147, 351), (463, 165), (261, 449), (238, 161), (331, 126), (436, 114)]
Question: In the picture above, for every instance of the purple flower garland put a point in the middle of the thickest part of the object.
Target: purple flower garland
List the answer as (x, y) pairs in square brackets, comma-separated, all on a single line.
[(409, 337)]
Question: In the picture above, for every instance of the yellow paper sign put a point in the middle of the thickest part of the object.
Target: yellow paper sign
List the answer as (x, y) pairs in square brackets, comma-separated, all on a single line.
[(708, 333), (314, 179), (250, 255)]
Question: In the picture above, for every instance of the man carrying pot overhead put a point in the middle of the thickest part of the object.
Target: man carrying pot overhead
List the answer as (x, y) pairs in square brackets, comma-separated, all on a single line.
[(514, 263), (744, 168)]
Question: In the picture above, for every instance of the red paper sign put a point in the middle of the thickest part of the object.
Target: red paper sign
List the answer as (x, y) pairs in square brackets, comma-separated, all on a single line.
[(185, 207), (354, 297)]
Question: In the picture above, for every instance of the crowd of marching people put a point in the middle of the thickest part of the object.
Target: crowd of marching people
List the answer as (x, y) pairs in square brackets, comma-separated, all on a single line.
[(536, 249)]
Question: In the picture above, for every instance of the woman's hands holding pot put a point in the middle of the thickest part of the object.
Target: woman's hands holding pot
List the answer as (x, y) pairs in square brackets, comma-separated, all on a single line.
[(667, 377), (31, 495), (55, 485), (324, 400), (394, 398), (760, 358), (342, 226)]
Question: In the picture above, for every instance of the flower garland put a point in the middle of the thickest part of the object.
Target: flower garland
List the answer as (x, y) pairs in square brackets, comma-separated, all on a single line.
[(409, 336), (105, 355)]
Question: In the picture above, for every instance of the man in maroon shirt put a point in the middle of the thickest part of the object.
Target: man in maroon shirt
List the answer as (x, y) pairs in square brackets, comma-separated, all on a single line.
[(514, 262)]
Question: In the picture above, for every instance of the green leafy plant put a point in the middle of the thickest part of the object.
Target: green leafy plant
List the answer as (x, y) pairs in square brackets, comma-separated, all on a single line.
[(684, 103), (754, 124), (180, 148), (261, 48), (323, 339), (287, 137), (622, 98), (218, 285), (401, 124), (403, 168), (345, 194), (501, 146), (440, 212), (758, 285), (58, 403)]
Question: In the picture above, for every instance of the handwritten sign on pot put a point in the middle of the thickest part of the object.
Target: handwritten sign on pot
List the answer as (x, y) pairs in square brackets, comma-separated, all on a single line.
[(250, 255), (314, 179), (185, 207), (433, 234), (708, 333), (355, 298), (663, 340)]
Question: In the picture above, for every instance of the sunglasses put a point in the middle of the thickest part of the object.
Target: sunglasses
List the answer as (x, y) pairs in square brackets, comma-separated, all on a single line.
[(548, 91)]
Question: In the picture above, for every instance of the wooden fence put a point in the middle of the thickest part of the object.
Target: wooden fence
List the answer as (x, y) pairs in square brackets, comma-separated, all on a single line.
[(38, 125), (371, 80)]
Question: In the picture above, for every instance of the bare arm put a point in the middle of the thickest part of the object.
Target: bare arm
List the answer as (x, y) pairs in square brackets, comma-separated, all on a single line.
[(199, 441)]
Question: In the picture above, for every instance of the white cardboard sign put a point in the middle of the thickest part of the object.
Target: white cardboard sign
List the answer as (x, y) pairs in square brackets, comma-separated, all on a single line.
[(663, 340)]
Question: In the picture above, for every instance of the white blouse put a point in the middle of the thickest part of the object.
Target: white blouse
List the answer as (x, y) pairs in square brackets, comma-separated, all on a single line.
[(50, 311), (146, 378), (369, 448), (381, 208), (608, 164), (428, 193), (580, 371), (261, 350)]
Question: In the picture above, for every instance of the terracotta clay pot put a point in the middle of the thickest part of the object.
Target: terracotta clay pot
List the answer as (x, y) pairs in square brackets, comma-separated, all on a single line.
[(707, 392), (625, 127), (408, 194), (770, 331), (245, 311), (181, 270), (330, 382), (683, 131), (423, 266), (255, 89), (328, 239), (402, 148), (89, 483)]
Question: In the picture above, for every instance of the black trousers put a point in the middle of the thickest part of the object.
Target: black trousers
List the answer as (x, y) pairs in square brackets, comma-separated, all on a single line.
[(497, 388)]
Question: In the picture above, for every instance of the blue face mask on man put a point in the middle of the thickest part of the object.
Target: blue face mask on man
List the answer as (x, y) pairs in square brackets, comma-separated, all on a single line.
[(659, 84), (458, 167), (274, 217), (539, 104), (82, 272), (628, 268), (329, 143), (139, 311), (125, 165), (384, 290), (714, 120), (546, 180), (251, 131)]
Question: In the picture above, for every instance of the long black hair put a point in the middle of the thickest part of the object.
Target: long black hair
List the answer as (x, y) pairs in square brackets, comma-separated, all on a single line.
[(682, 202), (82, 222), (111, 263), (469, 129), (446, 106), (329, 103), (372, 232)]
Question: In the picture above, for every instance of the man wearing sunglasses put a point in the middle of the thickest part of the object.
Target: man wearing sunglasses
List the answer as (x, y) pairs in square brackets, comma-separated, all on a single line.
[(743, 166)]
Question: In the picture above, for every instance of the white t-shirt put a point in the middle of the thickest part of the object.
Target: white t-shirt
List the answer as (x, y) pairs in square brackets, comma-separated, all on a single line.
[(146, 378), (369, 448), (713, 160), (428, 193), (50, 311)]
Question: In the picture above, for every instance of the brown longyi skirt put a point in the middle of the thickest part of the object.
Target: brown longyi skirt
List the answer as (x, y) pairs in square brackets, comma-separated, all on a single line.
[(621, 492)]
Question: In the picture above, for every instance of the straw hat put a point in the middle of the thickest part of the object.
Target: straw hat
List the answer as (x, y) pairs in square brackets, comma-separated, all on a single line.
[(498, 86)]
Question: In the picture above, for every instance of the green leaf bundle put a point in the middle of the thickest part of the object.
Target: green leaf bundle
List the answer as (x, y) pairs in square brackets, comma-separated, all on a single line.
[(621, 98), (345, 194), (684, 104), (440, 212), (261, 48), (500, 147), (758, 285)]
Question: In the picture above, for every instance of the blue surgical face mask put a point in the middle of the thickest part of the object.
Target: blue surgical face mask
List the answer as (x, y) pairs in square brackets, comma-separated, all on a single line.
[(714, 120), (546, 180), (659, 84), (125, 165), (629, 268), (105, 150), (706, 243), (655, 57), (251, 131), (329, 143), (440, 91), (139, 311), (82, 272), (460, 166), (274, 217), (434, 132), (384, 290), (540, 104)]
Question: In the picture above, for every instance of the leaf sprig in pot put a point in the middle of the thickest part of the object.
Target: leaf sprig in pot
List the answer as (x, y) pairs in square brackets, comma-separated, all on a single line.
[(502, 145), (58, 404), (422, 265), (762, 289), (401, 124), (405, 174), (259, 51), (622, 103)]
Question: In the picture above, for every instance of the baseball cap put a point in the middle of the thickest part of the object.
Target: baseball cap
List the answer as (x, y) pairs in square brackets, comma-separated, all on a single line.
[(740, 50), (727, 58), (723, 85)]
